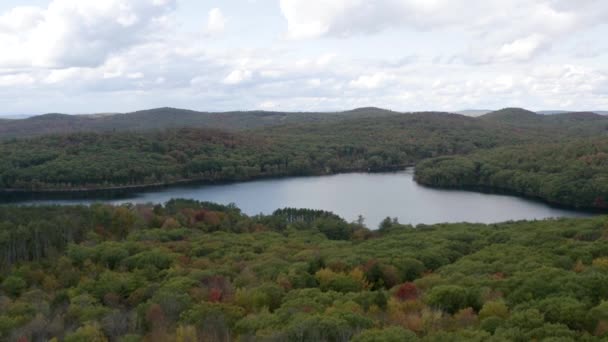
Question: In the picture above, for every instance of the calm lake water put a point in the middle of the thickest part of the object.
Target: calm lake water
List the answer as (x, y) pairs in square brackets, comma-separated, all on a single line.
[(375, 196)]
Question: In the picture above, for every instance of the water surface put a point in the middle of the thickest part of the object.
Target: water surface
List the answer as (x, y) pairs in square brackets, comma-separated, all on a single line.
[(375, 196)]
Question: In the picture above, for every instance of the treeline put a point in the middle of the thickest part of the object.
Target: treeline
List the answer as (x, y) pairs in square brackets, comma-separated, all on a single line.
[(573, 173), (101, 161), (192, 271)]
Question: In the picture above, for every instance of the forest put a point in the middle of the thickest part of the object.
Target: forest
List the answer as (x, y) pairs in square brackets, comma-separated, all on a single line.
[(198, 271), (573, 173), (89, 160), (116, 159)]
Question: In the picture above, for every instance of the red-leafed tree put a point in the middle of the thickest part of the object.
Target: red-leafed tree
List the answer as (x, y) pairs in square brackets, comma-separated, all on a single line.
[(407, 291), (215, 295)]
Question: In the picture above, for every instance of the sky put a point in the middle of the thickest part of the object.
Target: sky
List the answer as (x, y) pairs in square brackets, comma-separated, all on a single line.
[(85, 56)]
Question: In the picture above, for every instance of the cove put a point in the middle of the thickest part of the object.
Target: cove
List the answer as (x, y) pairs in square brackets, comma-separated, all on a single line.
[(372, 195)]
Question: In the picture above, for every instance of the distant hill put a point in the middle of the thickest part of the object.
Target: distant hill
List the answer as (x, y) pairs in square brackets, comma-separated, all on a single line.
[(164, 118), (576, 116), (520, 116), (512, 115), (579, 123), (570, 123)]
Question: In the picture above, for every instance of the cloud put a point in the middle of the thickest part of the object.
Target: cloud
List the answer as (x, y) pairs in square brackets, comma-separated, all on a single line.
[(267, 105), (237, 76), (216, 22), (120, 55), (77, 33), (371, 81), (506, 31), (13, 80), (522, 49), (315, 18)]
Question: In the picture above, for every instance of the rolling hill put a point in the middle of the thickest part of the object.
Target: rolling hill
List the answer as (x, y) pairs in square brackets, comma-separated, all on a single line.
[(513, 116), (167, 118), (580, 124)]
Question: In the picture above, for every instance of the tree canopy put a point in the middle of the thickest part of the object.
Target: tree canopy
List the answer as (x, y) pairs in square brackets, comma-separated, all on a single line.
[(198, 271)]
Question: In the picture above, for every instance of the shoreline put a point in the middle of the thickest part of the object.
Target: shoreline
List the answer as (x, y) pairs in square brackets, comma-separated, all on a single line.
[(190, 181), (509, 192)]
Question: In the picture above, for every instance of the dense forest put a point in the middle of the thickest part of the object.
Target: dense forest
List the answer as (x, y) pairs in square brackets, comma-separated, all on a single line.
[(512, 150), (105, 160), (573, 173), (190, 271), (367, 139)]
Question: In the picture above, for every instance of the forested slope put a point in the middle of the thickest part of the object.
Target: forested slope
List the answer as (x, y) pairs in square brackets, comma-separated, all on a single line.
[(572, 173), (193, 271), (105, 160)]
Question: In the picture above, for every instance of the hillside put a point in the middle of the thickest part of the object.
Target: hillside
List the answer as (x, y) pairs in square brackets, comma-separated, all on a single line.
[(573, 173), (117, 159), (360, 140), (167, 118), (576, 117)]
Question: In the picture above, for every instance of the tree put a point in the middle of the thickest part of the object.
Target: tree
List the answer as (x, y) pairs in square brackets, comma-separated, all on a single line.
[(494, 309), (407, 291), (14, 285), (452, 298), (566, 310)]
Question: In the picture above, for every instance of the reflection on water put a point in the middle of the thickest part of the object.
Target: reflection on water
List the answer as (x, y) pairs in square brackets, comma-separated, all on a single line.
[(375, 196)]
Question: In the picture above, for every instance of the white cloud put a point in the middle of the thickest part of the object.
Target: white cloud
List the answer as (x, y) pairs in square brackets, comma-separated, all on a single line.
[(237, 76), (14, 80), (371, 81), (499, 30), (120, 55), (216, 22), (135, 75), (61, 75), (522, 49), (314, 82), (76, 33), (314, 18), (266, 105)]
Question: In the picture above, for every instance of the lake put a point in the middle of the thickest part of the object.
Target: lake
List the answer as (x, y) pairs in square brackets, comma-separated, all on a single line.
[(373, 195)]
